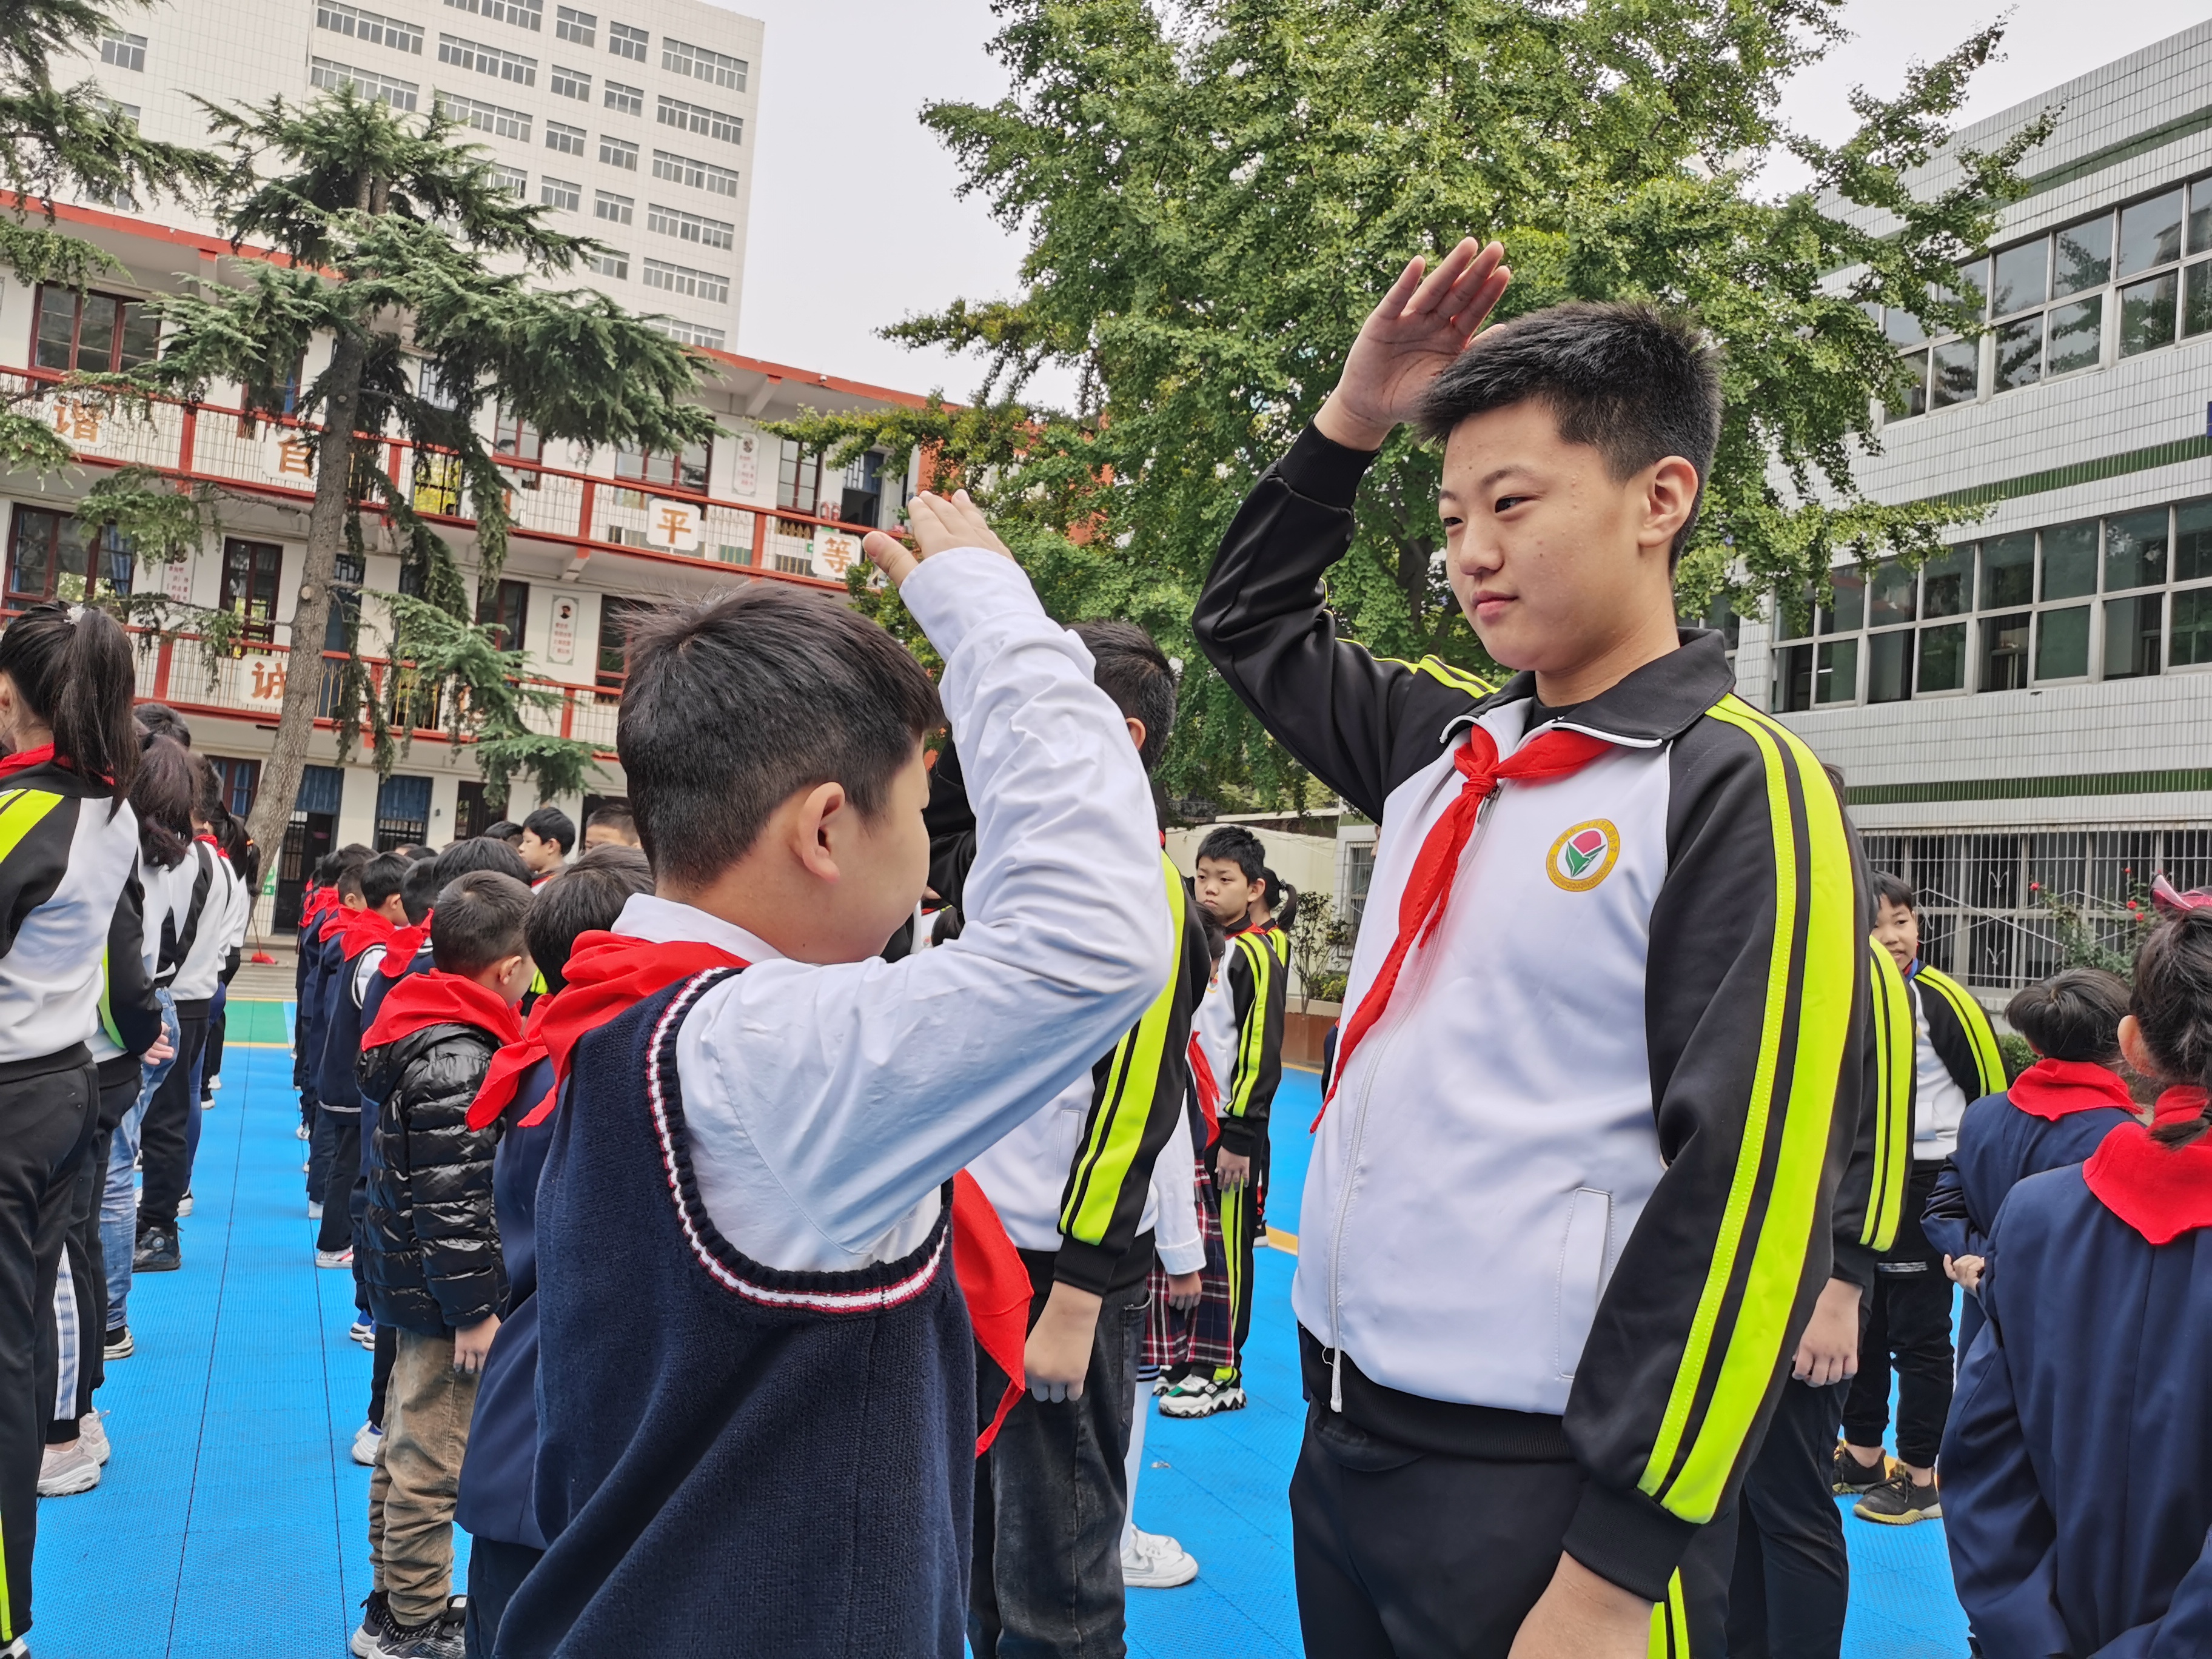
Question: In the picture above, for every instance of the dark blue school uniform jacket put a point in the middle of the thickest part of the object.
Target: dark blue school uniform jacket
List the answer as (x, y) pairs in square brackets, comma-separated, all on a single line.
[(1999, 1146), (496, 1473), (732, 1459), (2077, 1465)]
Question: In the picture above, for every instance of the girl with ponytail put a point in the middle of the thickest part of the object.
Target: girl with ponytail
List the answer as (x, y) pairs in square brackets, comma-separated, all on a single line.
[(69, 843), (2078, 1463)]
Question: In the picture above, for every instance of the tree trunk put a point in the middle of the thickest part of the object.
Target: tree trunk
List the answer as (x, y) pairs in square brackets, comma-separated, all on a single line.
[(303, 667)]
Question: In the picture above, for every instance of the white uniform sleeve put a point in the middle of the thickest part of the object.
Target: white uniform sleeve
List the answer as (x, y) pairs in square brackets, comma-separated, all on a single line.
[(827, 1104), (241, 909), (1174, 1195)]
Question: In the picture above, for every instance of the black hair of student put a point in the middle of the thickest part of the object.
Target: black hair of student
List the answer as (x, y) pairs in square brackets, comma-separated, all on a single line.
[(733, 704), (245, 857), (614, 815), (1129, 667), (419, 854), (161, 796), (75, 673), (589, 894), (162, 721), (418, 889), (350, 883), (552, 824), (1234, 844), (325, 870), (480, 853), (1635, 383), (479, 919), (1893, 890), (354, 852), (382, 878), (2073, 1015), (504, 829), (2173, 1005), (1282, 902)]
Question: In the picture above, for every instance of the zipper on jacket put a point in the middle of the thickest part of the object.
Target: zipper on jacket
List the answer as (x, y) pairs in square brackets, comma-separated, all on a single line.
[(1359, 1134)]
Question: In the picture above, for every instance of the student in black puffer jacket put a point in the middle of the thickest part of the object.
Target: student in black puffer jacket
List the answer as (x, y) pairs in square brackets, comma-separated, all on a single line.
[(432, 1261)]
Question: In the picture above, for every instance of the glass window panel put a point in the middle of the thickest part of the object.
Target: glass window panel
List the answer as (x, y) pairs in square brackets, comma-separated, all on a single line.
[(1793, 680), (2200, 215), (2192, 627), (2147, 314), (142, 335), (2077, 335), (1942, 666), (2069, 561), (2192, 541), (2150, 233), (2084, 256), (2008, 570), (1890, 597), (95, 338), (1910, 398), (2135, 551), (2132, 627), (1958, 376), (1973, 290), (2005, 653), (2019, 353), (57, 328), (1848, 614), (1889, 666), (30, 564), (2062, 644), (1836, 672), (1902, 326), (2197, 298), (2021, 273), (1946, 584)]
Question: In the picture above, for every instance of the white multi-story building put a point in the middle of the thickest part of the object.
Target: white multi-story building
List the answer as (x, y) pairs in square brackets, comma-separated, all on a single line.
[(2025, 719), (634, 120)]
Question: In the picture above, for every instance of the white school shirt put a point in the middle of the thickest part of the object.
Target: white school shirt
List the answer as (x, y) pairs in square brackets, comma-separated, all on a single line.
[(826, 1104), (1938, 1103)]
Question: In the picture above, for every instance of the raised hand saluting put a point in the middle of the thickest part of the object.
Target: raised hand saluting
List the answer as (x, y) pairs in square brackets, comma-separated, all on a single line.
[(1409, 339)]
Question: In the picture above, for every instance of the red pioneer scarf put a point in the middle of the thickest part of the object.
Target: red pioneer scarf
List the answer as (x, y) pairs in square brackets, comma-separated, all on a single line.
[(2050, 1089), (1558, 754), (421, 1001), (2162, 1192), (1209, 1091), (317, 902), (363, 929), (24, 759), (406, 944), (509, 1067)]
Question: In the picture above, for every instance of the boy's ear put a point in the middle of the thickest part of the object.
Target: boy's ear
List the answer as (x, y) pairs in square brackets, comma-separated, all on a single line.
[(1669, 499), (818, 808)]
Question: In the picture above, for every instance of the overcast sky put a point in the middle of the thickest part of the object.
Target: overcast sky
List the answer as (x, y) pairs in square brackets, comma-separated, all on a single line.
[(855, 223)]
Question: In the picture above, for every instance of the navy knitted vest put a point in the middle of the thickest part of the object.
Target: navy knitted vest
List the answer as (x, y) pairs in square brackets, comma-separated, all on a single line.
[(731, 1459)]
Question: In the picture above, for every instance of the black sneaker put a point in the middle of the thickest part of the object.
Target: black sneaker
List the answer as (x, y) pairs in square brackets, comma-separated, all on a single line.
[(1849, 1475), (437, 1639), (157, 1253), (117, 1345), (376, 1625), (1899, 1502)]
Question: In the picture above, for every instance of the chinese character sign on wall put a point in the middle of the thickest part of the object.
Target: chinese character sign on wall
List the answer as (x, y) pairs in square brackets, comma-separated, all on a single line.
[(561, 642), (673, 525), (749, 446)]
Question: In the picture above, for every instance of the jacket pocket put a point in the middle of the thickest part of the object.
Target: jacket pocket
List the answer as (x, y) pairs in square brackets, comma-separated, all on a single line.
[(1581, 1272)]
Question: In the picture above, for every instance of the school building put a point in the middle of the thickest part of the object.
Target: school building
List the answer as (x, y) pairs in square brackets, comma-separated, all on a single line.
[(2024, 718)]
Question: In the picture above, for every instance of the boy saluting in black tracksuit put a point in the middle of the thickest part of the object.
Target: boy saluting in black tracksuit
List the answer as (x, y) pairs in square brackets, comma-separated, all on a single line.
[(1569, 1206)]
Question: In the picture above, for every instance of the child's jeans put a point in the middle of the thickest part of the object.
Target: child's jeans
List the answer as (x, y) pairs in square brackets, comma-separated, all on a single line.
[(119, 1202), (418, 1471)]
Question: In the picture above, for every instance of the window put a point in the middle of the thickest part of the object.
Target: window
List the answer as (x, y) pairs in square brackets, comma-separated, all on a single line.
[(250, 574), (692, 284), (609, 262), (494, 61), (571, 83), (402, 812), (628, 101), (485, 118), (101, 333), (342, 621), (684, 472), (605, 204), (523, 14), (506, 607), (569, 24), (797, 477), (49, 558), (329, 77), (514, 439), (624, 41), (700, 175), (513, 180), (702, 65), (127, 113), (690, 226), (372, 27), (570, 141), (695, 118), (697, 334), (240, 781), (123, 51), (559, 193), (619, 153), (614, 645)]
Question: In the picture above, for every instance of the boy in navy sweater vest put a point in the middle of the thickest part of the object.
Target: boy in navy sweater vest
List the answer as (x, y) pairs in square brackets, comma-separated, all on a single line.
[(757, 1376)]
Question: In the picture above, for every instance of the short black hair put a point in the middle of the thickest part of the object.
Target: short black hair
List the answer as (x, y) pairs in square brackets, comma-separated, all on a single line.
[(1132, 669), (349, 883), (479, 852), (504, 829), (731, 704), (1635, 383), (1892, 889), (419, 891), (162, 721), (1235, 844), (616, 816), (382, 878), (2073, 1015), (552, 824), (590, 893), (479, 920)]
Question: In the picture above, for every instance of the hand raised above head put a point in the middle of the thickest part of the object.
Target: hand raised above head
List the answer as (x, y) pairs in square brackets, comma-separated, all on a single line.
[(1413, 336), (938, 523)]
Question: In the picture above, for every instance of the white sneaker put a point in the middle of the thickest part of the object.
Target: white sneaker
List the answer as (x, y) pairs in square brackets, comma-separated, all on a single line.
[(94, 1436), (1201, 1396), (1152, 1560), (365, 1440), (67, 1469), (315, 1211), (215, 1083), (184, 1206), (335, 1258)]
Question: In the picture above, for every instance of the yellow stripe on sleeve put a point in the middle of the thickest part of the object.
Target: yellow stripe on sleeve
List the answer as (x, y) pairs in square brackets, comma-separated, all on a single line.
[(1893, 1037)]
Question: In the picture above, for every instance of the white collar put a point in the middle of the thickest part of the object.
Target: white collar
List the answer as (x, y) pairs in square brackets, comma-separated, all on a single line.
[(665, 922)]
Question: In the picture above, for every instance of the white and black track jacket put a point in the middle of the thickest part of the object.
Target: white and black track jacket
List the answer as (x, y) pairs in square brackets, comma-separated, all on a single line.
[(211, 925), (1572, 1194), (65, 853)]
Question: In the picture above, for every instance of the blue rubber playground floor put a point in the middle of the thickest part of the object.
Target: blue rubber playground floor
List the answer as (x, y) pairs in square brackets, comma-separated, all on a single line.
[(232, 1521)]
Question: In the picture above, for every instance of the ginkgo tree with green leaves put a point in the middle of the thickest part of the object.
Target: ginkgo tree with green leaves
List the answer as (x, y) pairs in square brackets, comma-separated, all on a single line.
[(1215, 194), (437, 296)]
